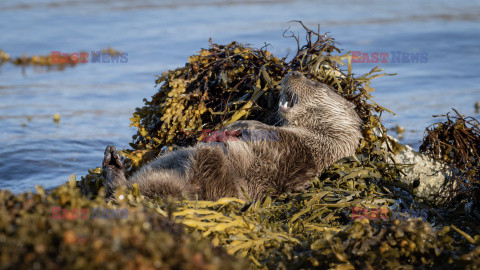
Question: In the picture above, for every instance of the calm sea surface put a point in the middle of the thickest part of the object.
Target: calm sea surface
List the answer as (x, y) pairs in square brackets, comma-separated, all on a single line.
[(95, 100)]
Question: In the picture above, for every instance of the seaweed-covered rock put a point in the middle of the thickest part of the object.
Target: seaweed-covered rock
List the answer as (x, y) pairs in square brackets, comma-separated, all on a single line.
[(64, 230), (57, 60), (392, 244), (424, 174), (4, 57), (226, 83), (307, 229), (456, 143)]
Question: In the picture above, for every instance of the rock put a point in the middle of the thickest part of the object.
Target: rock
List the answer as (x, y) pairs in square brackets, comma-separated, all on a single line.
[(428, 174)]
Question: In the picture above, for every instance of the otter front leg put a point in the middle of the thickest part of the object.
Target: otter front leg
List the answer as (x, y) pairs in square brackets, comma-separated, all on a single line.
[(247, 124), (113, 170), (252, 130)]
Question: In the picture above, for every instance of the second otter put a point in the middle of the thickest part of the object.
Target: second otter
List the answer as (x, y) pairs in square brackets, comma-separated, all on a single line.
[(319, 128)]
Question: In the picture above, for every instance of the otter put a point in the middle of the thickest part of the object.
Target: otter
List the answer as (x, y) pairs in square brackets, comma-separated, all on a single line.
[(319, 127)]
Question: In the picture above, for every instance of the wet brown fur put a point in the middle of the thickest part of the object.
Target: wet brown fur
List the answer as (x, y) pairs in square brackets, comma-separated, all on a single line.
[(320, 128)]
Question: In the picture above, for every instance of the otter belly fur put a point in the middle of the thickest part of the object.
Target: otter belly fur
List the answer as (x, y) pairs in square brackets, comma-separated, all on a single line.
[(319, 127)]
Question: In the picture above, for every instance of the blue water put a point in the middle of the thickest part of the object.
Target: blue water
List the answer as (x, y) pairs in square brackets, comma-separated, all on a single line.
[(95, 100)]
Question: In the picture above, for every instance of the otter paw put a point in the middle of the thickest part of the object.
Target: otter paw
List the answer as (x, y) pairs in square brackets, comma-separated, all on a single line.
[(236, 126), (246, 124), (112, 158)]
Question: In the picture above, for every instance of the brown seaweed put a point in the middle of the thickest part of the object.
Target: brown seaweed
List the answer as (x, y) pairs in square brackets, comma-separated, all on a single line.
[(60, 61), (456, 142), (312, 229)]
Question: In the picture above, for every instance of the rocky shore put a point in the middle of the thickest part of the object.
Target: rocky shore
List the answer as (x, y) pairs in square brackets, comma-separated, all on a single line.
[(387, 207)]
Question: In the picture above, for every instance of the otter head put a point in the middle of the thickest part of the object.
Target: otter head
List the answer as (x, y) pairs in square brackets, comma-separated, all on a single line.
[(317, 107)]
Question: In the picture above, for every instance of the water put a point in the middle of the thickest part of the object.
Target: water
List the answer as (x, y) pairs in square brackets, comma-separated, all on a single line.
[(95, 100)]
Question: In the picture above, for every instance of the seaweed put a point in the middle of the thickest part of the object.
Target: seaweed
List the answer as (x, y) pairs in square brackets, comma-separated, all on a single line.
[(314, 228), (4, 57), (226, 83), (301, 230), (57, 61), (456, 142), (34, 234)]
